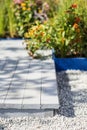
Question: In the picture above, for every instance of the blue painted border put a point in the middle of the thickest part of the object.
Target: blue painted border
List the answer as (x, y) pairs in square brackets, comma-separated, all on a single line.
[(62, 64)]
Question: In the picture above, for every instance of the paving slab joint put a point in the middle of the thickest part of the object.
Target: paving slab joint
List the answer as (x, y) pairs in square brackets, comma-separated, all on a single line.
[(55, 112)]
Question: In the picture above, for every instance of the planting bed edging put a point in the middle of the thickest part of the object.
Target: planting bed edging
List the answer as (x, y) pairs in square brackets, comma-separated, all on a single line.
[(70, 63)]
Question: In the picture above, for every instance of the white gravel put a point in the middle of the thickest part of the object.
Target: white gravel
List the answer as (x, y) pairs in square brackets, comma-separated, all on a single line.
[(72, 113)]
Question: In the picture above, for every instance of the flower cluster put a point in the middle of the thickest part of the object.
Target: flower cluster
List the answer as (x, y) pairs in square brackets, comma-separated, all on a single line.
[(66, 33), (23, 11), (27, 12), (38, 37)]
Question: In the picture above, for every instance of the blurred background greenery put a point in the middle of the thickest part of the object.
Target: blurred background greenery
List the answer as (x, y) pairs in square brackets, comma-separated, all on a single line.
[(15, 19)]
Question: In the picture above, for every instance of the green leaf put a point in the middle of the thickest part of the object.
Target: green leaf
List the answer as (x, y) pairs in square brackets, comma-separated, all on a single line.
[(67, 42), (63, 34)]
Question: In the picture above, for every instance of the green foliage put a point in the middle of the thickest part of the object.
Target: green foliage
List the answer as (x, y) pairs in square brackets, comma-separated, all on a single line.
[(10, 18), (54, 7), (17, 18), (28, 12), (2, 18), (23, 16), (38, 37), (6, 19), (66, 32), (69, 30)]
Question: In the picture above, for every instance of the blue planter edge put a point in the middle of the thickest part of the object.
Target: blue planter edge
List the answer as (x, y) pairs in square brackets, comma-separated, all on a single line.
[(63, 64)]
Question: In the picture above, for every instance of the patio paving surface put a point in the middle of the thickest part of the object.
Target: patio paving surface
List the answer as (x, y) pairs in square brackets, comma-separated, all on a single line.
[(26, 83)]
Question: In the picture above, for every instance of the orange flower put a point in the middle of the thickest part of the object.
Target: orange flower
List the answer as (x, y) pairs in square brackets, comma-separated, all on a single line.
[(75, 25), (42, 33), (74, 5)]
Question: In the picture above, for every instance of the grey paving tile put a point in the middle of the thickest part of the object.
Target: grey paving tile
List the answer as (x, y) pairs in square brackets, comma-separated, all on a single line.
[(5, 78), (16, 89), (49, 95), (32, 91)]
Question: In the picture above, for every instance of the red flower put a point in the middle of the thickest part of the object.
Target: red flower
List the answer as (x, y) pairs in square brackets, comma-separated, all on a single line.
[(77, 20), (74, 5)]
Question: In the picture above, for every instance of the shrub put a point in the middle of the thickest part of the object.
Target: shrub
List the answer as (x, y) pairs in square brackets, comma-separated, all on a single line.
[(71, 30), (66, 32), (38, 37)]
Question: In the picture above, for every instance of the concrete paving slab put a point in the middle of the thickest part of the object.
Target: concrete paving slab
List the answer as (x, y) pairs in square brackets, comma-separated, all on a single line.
[(26, 83), (16, 88), (32, 91), (6, 75), (49, 95)]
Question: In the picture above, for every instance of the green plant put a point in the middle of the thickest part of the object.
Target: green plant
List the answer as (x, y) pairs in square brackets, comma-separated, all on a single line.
[(9, 24), (38, 37), (27, 12), (54, 7), (66, 32), (6, 19), (23, 12), (1, 18), (69, 32)]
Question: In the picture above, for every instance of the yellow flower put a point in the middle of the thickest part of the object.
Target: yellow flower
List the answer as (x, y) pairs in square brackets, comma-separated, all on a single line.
[(31, 33), (29, 9), (26, 35), (40, 11), (23, 4), (40, 26), (24, 8)]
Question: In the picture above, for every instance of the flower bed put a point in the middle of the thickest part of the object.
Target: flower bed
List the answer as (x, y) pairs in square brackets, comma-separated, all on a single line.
[(66, 33), (71, 45)]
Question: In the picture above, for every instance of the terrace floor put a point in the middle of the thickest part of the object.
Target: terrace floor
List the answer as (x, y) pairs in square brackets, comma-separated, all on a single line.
[(26, 83)]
